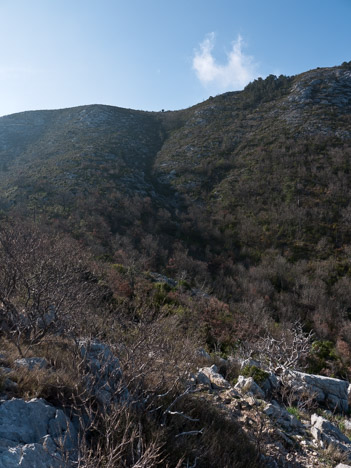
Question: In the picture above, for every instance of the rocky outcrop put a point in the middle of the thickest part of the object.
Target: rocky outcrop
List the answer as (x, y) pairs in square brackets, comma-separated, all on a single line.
[(103, 372), (325, 390), (163, 279), (248, 385), (282, 417), (210, 377), (35, 434), (289, 433), (327, 434)]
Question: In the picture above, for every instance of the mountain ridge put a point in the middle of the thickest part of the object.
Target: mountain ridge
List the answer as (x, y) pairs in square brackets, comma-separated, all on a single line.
[(218, 234), (199, 155)]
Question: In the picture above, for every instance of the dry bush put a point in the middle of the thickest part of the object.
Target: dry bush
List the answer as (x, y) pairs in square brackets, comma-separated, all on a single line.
[(46, 285), (289, 350), (193, 433), (59, 384), (304, 400), (119, 437), (333, 455), (213, 440), (160, 352), (163, 422)]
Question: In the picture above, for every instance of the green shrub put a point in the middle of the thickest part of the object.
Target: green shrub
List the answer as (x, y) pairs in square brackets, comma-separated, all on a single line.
[(163, 287), (256, 373), (184, 285), (322, 351), (119, 267), (294, 412), (160, 295)]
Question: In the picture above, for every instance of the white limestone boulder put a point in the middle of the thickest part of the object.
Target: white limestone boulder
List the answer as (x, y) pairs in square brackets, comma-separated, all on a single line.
[(35, 434), (249, 363), (202, 353), (248, 385), (326, 390), (327, 434), (209, 376), (104, 375), (282, 417)]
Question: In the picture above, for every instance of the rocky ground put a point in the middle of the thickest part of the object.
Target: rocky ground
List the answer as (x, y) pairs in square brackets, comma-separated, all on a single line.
[(309, 433), (293, 419), (34, 433)]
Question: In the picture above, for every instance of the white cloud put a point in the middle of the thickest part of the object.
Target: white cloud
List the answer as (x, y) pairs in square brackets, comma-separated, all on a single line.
[(239, 70)]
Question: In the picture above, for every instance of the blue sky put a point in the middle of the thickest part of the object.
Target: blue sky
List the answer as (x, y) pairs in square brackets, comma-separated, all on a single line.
[(159, 54)]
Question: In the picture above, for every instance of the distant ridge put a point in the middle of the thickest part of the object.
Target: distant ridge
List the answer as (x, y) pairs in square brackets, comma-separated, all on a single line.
[(270, 157)]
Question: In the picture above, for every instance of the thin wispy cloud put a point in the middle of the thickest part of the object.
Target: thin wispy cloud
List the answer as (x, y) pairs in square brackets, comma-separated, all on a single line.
[(237, 72)]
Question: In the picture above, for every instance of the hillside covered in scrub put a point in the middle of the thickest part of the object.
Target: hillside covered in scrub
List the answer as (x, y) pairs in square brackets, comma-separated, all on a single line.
[(168, 236)]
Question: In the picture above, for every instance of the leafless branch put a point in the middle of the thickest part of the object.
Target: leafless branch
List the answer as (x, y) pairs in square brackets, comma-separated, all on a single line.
[(289, 351), (190, 433)]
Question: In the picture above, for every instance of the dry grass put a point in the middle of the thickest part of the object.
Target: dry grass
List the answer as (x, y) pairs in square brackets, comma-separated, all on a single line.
[(58, 383), (332, 456), (162, 424), (222, 442)]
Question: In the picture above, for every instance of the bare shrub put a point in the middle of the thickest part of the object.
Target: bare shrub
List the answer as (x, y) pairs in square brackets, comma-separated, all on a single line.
[(119, 437), (45, 284), (288, 351), (304, 400)]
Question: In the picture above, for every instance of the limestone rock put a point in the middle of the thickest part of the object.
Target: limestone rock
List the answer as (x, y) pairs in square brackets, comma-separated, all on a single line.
[(104, 375), (270, 384), (32, 363), (282, 417), (9, 385), (232, 393), (203, 379), (210, 376), (29, 456), (327, 390), (163, 279), (201, 352), (35, 434), (327, 434), (250, 362), (247, 384)]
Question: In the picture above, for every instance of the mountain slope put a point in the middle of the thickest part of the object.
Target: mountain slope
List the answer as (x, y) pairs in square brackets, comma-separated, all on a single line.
[(269, 166), (69, 146), (245, 197), (273, 159), (223, 228)]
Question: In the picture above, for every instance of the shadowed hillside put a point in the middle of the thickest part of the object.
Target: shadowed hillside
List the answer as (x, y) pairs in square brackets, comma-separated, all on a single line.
[(136, 247), (269, 164), (245, 196)]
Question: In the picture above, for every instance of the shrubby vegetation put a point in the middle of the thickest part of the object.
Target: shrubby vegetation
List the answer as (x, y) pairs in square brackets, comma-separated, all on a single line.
[(52, 295), (265, 90), (243, 201)]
